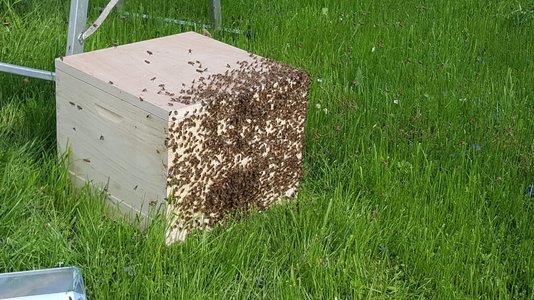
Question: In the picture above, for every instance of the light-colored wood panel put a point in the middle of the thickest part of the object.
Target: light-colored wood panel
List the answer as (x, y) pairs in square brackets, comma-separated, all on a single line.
[(113, 90), (168, 64), (112, 142), (120, 209)]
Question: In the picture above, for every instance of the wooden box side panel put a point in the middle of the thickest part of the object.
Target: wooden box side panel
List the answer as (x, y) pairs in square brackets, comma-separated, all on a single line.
[(112, 143), (242, 151)]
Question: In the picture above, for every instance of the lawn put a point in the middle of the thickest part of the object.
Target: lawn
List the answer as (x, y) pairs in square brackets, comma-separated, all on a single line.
[(419, 152)]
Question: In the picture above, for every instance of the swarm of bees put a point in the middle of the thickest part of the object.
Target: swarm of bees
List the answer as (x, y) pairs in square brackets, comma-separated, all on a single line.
[(241, 148)]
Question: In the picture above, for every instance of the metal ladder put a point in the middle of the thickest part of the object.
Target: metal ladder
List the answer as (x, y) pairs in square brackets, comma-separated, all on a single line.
[(77, 33)]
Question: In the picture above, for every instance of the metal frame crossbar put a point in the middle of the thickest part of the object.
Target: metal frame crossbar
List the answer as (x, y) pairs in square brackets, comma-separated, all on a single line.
[(77, 34)]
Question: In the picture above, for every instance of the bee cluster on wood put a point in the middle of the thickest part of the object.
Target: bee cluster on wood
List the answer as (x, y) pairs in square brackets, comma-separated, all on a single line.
[(241, 148)]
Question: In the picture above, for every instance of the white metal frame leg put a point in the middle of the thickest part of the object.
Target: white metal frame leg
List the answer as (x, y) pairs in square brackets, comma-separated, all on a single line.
[(77, 21), (215, 13), (25, 71)]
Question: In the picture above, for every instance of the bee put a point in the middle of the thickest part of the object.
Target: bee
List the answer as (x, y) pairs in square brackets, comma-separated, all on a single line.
[(61, 58), (147, 116), (186, 113), (71, 103), (79, 107), (161, 85), (147, 62), (74, 128), (135, 188), (200, 71), (144, 90), (110, 82), (157, 151), (206, 32), (149, 52), (87, 160), (190, 51), (170, 104), (141, 99), (101, 137), (153, 78), (228, 65), (206, 69), (191, 63)]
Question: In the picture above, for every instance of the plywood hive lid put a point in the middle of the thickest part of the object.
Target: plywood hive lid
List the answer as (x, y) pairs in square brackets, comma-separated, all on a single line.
[(150, 73)]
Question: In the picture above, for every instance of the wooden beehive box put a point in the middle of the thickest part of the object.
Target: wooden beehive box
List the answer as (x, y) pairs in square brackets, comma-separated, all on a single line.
[(183, 122)]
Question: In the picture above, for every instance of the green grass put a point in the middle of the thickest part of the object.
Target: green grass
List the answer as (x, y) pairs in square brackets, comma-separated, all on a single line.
[(396, 201)]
